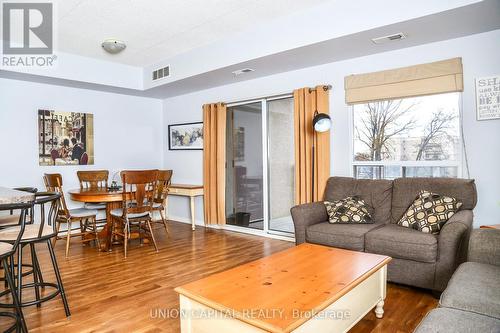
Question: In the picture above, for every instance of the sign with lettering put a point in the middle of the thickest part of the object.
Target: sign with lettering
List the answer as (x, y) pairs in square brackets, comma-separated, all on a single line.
[(488, 97)]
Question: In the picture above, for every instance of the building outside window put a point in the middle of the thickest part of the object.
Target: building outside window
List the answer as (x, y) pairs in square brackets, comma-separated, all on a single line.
[(409, 137)]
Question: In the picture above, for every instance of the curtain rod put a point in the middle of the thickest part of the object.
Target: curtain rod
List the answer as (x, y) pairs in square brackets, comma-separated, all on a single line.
[(238, 101), (284, 94), (325, 88)]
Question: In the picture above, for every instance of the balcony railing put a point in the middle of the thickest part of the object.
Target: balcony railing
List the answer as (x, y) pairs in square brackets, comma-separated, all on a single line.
[(396, 169)]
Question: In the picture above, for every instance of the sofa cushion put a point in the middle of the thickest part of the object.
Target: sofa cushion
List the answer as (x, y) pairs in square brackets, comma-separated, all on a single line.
[(400, 242), (348, 210), (443, 320), (405, 190), (474, 287), (377, 194), (429, 212), (346, 236)]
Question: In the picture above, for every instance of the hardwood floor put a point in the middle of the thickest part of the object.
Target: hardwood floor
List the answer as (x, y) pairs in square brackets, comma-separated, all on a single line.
[(107, 293)]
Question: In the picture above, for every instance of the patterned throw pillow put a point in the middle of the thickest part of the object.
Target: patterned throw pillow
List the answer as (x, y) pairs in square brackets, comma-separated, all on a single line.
[(429, 212), (348, 210)]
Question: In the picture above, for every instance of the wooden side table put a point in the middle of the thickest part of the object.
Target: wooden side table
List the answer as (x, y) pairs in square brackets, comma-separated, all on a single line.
[(191, 191)]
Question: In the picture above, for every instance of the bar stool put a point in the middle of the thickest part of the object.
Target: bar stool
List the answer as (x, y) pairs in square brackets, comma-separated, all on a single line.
[(7, 251), (47, 204), (13, 219)]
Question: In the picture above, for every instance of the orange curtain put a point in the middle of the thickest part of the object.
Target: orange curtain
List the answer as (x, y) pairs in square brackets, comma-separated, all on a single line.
[(307, 101), (214, 160)]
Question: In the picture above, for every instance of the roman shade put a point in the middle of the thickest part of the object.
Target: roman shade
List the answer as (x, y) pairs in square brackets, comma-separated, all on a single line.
[(425, 79)]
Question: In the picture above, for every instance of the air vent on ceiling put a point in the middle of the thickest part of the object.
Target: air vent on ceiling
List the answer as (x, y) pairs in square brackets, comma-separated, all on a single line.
[(390, 38), (242, 71), (161, 73)]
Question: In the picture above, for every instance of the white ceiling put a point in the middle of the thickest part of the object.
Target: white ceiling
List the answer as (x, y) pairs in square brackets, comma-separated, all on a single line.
[(155, 30)]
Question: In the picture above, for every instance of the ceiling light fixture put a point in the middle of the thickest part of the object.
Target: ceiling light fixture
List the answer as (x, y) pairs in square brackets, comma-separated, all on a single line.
[(113, 46)]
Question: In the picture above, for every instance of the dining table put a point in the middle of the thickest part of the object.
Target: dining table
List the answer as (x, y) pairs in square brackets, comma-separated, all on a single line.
[(113, 198)]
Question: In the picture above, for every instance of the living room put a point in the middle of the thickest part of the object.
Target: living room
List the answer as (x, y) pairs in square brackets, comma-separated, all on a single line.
[(305, 166)]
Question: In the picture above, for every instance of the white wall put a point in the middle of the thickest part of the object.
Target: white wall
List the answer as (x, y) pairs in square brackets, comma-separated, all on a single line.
[(480, 58), (127, 131)]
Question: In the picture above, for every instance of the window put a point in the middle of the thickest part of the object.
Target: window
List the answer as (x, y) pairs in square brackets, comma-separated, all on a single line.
[(410, 137)]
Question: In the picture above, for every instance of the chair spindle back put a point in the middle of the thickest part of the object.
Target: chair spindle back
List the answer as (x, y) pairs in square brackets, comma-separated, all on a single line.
[(138, 191), (94, 179)]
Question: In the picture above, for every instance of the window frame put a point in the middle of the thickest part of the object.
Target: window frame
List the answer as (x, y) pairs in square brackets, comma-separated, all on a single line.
[(444, 163)]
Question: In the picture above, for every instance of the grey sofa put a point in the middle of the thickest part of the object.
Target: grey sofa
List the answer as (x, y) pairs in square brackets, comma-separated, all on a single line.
[(471, 302), (419, 259)]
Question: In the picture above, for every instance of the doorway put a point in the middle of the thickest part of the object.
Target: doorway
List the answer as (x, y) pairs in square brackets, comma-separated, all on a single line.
[(260, 166)]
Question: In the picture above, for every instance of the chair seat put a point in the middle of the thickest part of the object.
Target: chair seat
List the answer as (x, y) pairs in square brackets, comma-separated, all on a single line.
[(156, 205), (346, 236), (118, 212), (9, 220), (403, 243), (30, 232), (474, 287), (5, 248), (97, 205), (82, 212)]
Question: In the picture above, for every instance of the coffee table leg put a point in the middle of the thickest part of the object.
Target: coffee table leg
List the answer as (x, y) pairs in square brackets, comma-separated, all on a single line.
[(379, 310)]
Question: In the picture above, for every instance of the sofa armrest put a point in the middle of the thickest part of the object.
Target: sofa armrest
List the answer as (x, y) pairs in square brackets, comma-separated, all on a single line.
[(452, 246), (305, 215), (484, 246)]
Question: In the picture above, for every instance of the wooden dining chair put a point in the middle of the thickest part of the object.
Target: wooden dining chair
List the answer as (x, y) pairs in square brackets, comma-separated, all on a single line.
[(137, 193), (161, 194), (94, 180), (85, 217)]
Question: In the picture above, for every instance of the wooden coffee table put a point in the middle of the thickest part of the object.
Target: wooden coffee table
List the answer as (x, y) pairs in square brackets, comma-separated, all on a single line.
[(308, 288)]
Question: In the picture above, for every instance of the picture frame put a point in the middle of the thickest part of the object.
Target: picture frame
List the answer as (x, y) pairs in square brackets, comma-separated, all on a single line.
[(185, 136), (65, 138), (488, 98)]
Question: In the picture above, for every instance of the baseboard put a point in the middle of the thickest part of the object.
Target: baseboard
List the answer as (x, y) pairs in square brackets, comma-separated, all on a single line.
[(215, 226), (186, 220)]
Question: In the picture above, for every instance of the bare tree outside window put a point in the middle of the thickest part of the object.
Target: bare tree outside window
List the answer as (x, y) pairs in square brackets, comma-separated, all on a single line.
[(436, 129), (403, 137), (382, 121)]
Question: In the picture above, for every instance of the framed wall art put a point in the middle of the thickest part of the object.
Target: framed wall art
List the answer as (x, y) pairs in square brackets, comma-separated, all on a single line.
[(187, 136), (488, 97), (65, 138)]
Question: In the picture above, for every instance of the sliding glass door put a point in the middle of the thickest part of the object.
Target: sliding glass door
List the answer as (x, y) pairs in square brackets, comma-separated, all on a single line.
[(244, 166), (260, 165), (281, 163)]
